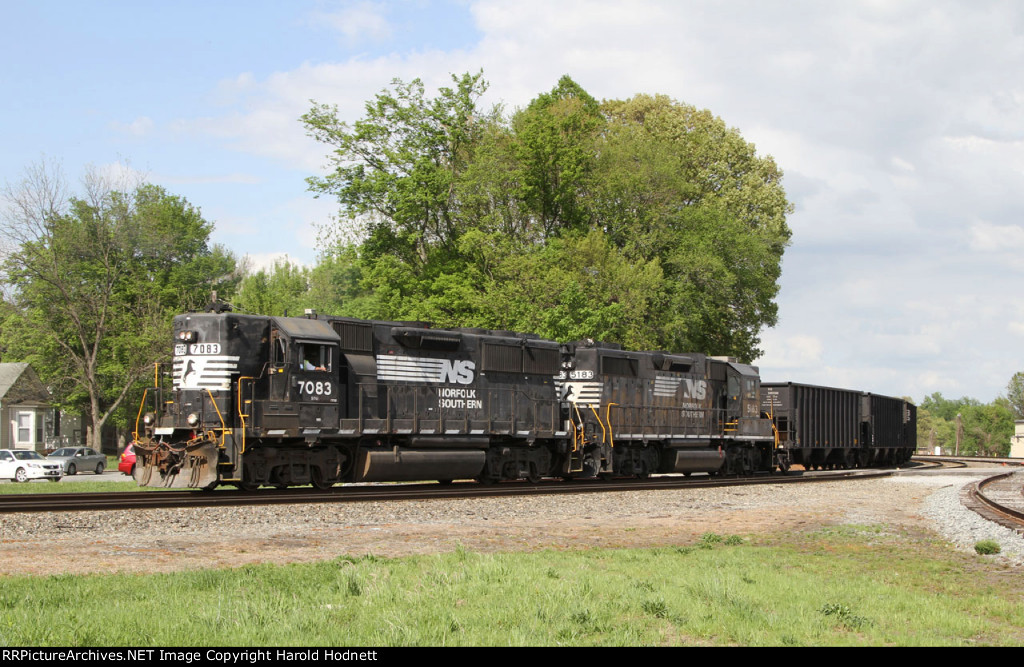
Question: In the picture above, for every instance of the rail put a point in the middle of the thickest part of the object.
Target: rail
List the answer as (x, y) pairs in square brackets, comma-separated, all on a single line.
[(634, 421), (419, 409)]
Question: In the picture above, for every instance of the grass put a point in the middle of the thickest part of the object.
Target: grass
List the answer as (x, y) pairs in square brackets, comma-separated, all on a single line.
[(45, 486), (848, 586)]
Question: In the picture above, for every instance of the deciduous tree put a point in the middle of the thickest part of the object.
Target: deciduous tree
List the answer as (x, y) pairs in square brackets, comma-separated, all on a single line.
[(643, 221), (93, 281)]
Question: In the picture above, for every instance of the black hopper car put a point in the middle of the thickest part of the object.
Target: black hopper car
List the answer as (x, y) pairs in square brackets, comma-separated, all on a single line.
[(283, 401)]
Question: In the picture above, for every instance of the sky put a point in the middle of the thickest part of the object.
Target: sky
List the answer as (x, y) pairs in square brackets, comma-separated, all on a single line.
[(899, 126)]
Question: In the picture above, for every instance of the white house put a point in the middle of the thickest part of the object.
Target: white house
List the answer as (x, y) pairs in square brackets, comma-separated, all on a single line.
[(1017, 440), (24, 408)]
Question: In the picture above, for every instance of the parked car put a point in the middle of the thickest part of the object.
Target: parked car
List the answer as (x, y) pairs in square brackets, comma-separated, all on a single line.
[(74, 459), (127, 464), (22, 465)]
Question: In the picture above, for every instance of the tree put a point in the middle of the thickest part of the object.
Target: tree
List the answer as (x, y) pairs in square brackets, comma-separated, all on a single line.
[(644, 221), (555, 147), (674, 183), (282, 290), (94, 281), (399, 166), (986, 429), (1015, 395)]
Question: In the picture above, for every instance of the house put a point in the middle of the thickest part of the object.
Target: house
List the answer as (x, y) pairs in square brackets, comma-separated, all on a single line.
[(24, 408), (1017, 440)]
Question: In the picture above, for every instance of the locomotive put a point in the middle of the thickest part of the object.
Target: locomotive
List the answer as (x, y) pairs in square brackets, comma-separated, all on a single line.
[(283, 401)]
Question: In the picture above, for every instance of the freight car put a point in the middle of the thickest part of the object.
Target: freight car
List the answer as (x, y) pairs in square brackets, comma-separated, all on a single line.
[(281, 401), (824, 427)]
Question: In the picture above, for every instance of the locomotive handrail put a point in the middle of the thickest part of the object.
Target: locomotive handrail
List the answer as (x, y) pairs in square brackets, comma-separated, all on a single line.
[(657, 422), (608, 418), (142, 404), (604, 432), (242, 415), (145, 392), (543, 420), (578, 436), (223, 426)]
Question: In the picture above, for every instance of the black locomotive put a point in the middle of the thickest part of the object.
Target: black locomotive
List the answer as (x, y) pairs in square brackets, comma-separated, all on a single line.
[(319, 400)]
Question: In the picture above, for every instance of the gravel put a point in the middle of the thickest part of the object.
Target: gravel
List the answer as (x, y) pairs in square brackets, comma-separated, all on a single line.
[(964, 527), (169, 540)]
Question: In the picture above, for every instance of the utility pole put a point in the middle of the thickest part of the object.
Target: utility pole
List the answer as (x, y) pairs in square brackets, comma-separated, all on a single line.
[(959, 433)]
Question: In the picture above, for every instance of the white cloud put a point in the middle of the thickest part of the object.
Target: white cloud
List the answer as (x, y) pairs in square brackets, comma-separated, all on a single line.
[(195, 179), (794, 353), (120, 175), (267, 261), (139, 127), (988, 237), (357, 24), (898, 126)]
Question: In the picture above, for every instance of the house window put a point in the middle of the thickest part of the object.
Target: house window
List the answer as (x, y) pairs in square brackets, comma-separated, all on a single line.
[(25, 426)]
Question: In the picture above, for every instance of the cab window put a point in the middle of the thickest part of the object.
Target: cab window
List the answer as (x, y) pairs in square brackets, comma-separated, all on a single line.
[(314, 357)]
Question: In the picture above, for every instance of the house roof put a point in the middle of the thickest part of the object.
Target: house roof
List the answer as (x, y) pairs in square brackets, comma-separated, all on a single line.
[(10, 374)]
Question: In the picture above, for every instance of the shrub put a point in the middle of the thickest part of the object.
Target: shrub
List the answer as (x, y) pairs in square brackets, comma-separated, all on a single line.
[(987, 547)]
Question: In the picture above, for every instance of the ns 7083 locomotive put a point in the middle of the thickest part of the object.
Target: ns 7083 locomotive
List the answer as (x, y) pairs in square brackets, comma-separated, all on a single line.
[(282, 401)]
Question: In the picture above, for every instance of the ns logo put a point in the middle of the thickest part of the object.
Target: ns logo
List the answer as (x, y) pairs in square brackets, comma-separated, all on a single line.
[(459, 372), (696, 389)]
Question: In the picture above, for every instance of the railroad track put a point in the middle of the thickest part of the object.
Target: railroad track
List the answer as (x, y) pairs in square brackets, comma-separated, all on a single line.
[(62, 502), (999, 499)]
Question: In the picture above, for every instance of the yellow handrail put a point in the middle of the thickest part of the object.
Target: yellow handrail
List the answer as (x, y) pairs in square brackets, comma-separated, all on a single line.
[(223, 426), (604, 433), (242, 415), (142, 404), (608, 418)]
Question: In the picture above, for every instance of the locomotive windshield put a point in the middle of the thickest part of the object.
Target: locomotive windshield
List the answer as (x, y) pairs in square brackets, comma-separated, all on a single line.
[(315, 357)]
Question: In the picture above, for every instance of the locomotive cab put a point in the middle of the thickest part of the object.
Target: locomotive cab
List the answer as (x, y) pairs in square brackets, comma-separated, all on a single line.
[(303, 376)]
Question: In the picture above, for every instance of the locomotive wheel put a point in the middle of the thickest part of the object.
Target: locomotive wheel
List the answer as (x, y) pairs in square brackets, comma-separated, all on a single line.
[(532, 474), (317, 476)]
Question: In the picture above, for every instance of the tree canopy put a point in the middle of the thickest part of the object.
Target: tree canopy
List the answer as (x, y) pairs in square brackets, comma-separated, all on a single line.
[(94, 280), (983, 429), (643, 221)]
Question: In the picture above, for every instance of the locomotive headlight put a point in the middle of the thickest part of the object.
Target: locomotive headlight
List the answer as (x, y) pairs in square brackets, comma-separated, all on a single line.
[(148, 419), (192, 419), (186, 336)]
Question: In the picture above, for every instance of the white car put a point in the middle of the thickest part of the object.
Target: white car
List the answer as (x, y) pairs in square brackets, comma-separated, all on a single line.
[(22, 465)]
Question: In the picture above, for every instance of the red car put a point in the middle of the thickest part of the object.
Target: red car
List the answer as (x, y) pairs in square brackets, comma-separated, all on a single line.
[(127, 464)]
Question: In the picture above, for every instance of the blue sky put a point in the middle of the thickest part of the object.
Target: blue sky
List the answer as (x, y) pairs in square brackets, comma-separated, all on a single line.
[(898, 125)]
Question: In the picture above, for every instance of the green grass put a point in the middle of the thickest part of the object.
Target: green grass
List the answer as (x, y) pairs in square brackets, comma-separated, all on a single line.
[(45, 486), (849, 586)]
